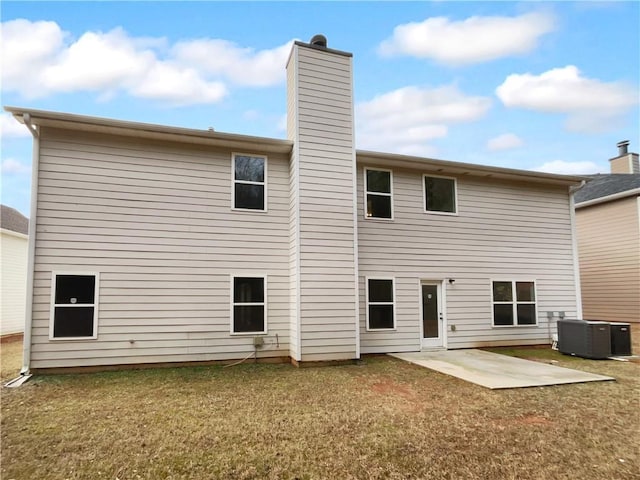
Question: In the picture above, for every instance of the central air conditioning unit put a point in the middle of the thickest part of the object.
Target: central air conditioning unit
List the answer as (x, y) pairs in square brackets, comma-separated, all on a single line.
[(584, 338), (620, 339)]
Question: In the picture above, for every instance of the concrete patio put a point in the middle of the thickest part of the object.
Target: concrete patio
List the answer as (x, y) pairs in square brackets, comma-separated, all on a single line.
[(495, 371)]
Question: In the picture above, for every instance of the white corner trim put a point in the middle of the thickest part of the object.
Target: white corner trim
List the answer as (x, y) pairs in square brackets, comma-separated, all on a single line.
[(31, 255), (576, 255)]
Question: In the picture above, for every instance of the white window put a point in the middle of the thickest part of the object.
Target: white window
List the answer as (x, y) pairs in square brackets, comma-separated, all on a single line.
[(74, 306), (248, 305), (378, 186), (249, 182), (440, 195), (380, 304), (514, 303)]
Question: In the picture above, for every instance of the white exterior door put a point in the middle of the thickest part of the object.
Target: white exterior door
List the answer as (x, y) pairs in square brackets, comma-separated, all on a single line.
[(433, 321)]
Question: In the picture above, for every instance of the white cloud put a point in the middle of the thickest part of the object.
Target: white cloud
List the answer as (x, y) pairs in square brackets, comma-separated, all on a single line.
[(405, 120), (506, 141), (569, 168), (591, 105), (243, 66), (178, 86), (11, 128), (474, 40), (11, 166), (40, 59)]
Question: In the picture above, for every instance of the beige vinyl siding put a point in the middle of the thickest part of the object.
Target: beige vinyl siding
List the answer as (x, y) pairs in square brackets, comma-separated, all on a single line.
[(154, 219), (609, 252), (13, 253), (324, 138), (503, 231)]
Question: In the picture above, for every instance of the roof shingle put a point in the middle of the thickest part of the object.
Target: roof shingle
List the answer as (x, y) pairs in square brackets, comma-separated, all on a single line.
[(12, 219), (609, 184)]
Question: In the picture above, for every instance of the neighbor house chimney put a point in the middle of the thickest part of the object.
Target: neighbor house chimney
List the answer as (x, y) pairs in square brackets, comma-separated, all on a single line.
[(625, 162)]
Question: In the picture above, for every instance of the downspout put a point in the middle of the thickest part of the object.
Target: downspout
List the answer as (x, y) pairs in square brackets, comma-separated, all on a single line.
[(35, 161), (574, 246)]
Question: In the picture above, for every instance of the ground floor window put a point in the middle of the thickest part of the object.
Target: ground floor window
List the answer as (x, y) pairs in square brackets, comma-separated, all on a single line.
[(514, 303), (249, 306), (74, 306), (380, 304)]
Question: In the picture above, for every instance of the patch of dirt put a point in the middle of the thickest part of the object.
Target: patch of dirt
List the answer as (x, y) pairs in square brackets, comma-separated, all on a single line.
[(390, 387)]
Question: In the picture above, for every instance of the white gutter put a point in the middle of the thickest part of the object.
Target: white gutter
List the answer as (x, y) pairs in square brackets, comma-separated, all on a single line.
[(35, 162), (574, 248), (609, 198)]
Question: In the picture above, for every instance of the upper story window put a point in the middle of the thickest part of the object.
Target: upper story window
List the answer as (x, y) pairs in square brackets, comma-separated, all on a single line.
[(378, 193), (74, 310), (249, 182), (514, 303), (440, 195)]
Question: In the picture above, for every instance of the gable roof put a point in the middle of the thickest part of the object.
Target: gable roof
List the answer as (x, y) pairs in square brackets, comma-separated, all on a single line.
[(601, 186), (243, 142), (12, 219)]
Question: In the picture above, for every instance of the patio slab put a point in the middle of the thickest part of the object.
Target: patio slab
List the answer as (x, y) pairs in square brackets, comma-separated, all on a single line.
[(495, 371)]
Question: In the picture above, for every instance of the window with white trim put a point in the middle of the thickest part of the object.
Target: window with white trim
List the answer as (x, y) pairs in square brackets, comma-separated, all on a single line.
[(74, 306), (440, 194), (249, 182), (378, 193), (514, 303), (249, 306), (380, 304)]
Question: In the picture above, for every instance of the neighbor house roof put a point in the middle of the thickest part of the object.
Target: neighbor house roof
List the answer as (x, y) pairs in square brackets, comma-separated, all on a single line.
[(12, 219), (245, 142), (607, 187)]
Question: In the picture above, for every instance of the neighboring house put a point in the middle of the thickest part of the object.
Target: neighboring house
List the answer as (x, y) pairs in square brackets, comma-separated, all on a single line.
[(14, 229), (608, 227), (158, 244)]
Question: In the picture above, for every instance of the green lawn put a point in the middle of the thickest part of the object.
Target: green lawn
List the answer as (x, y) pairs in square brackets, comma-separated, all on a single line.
[(381, 419)]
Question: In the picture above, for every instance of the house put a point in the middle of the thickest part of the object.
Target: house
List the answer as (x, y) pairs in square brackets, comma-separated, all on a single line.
[(156, 244), (14, 229), (608, 227)]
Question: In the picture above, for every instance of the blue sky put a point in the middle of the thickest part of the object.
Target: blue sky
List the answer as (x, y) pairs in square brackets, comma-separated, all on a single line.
[(532, 85)]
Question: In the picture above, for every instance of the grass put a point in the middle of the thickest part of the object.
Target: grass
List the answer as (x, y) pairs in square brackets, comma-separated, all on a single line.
[(381, 419)]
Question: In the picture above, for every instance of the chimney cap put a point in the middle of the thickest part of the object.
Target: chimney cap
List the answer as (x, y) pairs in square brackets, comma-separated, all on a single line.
[(623, 147), (319, 40)]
